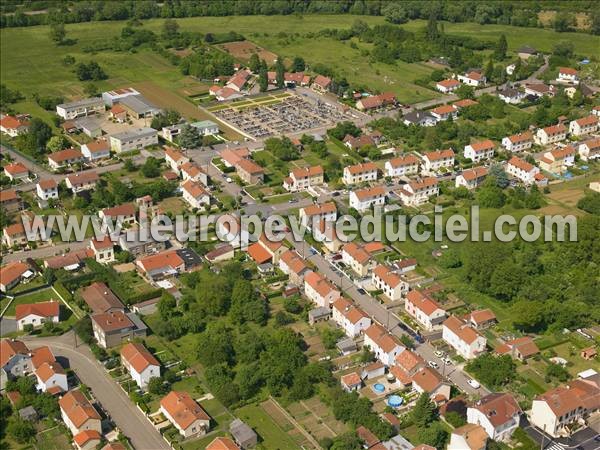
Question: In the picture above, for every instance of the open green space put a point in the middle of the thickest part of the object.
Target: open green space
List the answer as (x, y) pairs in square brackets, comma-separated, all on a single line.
[(273, 437)]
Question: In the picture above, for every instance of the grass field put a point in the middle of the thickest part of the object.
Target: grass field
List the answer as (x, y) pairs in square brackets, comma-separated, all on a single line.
[(271, 434), (44, 295)]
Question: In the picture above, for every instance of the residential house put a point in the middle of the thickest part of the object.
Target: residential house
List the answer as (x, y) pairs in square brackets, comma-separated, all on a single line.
[(266, 250), (139, 245), (471, 178), (585, 125), (473, 78), (439, 160), (316, 213), (293, 265), (51, 376), (467, 342), (103, 249), (238, 80), (303, 178), (175, 159), (430, 381), (367, 436), (325, 232), (498, 414), (80, 108), (358, 257), (185, 414), (113, 328), (36, 314), (364, 199), (558, 160), (224, 93), (589, 150), (447, 86), (231, 157), (468, 437), (47, 190), (557, 410), (388, 281), (479, 151), (321, 83), (12, 274), (444, 112), (419, 118), (78, 413), (15, 235), (70, 261), (140, 363), (521, 348), (551, 135), (249, 171), (464, 103), (190, 171), (351, 382), (406, 365), (354, 321), (14, 126), (100, 299), (10, 201), (133, 139), (223, 252), (15, 360), (319, 290), (567, 75), (63, 158), (426, 311), (161, 265), (96, 150), (195, 195), (82, 181), (522, 170), (539, 90), (222, 443), (373, 102), (518, 142), (402, 166), (124, 213), (360, 173), (384, 345), (481, 318), (511, 96), (419, 191), (87, 440), (16, 171), (118, 113), (527, 52)]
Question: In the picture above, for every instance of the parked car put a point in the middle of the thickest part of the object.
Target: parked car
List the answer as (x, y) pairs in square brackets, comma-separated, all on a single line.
[(433, 364), (474, 384), (439, 353)]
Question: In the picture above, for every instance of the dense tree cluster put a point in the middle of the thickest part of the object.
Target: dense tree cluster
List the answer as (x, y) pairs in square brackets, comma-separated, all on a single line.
[(207, 63), (492, 370)]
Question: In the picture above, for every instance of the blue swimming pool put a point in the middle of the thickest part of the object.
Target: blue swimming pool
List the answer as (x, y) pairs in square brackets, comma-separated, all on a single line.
[(394, 401), (378, 387)]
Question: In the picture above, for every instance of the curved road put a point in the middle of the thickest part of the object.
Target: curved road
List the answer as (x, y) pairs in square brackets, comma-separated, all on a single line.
[(123, 412)]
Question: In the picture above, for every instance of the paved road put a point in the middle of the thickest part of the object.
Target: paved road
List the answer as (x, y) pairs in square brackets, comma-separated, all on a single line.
[(45, 252), (121, 409)]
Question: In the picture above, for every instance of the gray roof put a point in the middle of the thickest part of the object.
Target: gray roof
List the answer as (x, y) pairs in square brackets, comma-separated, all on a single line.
[(509, 92), (398, 442), (134, 133), (527, 49), (417, 117), (139, 325), (203, 124), (319, 312), (83, 102), (346, 345), (241, 432), (28, 413), (131, 239), (89, 123), (139, 104)]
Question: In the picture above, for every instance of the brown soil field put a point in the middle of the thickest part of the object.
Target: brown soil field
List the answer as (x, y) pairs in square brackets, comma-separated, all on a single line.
[(581, 19), (242, 50)]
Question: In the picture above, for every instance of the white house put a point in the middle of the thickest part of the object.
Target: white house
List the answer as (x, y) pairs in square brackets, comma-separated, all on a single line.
[(96, 150), (14, 126), (78, 413), (51, 377), (140, 363), (518, 142), (567, 75), (471, 178), (429, 381), (194, 194), (426, 311), (134, 139), (498, 414), (318, 212), (303, 178), (551, 135), (175, 159), (596, 111), (319, 290), (363, 199), (384, 345), (360, 173), (522, 170), (16, 171), (103, 249), (63, 158), (82, 181), (584, 126), (36, 314), (190, 171), (590, 149), (558, 160), (402, 166), (358, 258), (418, 192), (438, 160), (351, 319), (479, 151), (444, 112), (388, 281), (473, 78), (467, 342), (47, 189), (447, 86), (511, 96), (15, 360), (79, 108), (185, 414)]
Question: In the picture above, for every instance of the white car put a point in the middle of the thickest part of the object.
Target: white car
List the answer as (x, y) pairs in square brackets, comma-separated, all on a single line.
[(438, 353), (448, 361), (433, 364), (474, 384), (229, 180)]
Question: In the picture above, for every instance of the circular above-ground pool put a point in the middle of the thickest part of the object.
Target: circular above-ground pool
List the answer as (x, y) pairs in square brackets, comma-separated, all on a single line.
[(394, 401), (378, 387)]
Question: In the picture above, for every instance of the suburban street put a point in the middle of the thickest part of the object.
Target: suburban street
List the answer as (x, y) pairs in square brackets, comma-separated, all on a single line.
[(118, 405)]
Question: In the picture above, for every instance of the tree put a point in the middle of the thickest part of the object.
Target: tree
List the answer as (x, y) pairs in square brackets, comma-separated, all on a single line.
[(129, 165), (563, 21), (557, 371), (497, 171), (455, 419), (501, 48), (151, 168), (424, 411), (493, 371), (595, 22), (346, 441), (38, 135), (490, 195), (189, 137), (56, 143), (464, 91), (157, 386), (254, 63), (58, 33), (489, 70), (298, 65), (280, 72), (166, 305), (90, 71), (434, 435), (395, 13), (20, 429), (432, 32), (590, 203), (246, 305), (170, 28)]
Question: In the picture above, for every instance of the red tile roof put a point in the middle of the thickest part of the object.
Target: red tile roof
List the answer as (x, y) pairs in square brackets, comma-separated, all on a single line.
[(259, 253), (138, 356), (428, 379), (482, 146), (439, 154), (406, 160), (464, 332), (475, 173), (499, 408), (100, 298), (16, 168), (65, 155), (422, 302), (10, 348), (520, 164), (161, 260), (77, 408), (42, 309), (449, 83), (183, 409), (111, 321), (86, 436), (222, 443)]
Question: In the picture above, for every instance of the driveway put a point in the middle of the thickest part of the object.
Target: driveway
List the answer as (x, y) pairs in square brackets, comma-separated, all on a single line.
[(7, 326), (117, 404)]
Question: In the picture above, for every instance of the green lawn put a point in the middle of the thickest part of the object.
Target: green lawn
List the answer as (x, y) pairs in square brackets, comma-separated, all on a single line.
[(43, 295), (273, 437)]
